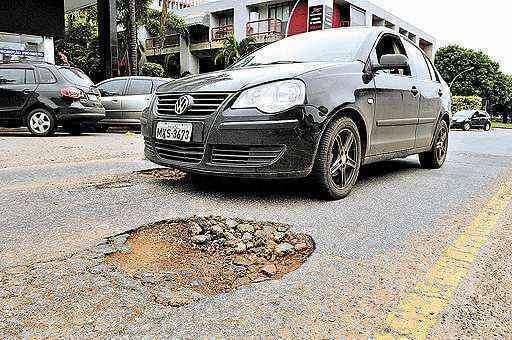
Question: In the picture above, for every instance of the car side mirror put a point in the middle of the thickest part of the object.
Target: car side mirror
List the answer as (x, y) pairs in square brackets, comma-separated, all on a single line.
[(392, 62)]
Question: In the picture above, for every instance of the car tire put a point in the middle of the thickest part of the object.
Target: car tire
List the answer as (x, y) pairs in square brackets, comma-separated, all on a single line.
[(487, 127), (436, 157), (41, 123), (466, 127), (338, 159)]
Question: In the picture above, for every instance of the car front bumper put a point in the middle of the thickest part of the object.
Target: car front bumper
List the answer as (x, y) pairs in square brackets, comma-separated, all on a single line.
[(245, 143)]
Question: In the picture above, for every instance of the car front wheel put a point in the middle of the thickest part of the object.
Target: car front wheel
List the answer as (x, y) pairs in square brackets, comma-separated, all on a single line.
[(435, 158), (487, 126), (466, 127), (41, 123), (338, 160)]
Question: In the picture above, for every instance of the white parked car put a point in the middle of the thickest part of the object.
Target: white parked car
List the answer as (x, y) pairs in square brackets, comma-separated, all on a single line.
[(124, 98)]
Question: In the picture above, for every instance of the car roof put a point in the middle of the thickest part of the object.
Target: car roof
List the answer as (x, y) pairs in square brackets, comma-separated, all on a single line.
[(135, 77), (29, 65)]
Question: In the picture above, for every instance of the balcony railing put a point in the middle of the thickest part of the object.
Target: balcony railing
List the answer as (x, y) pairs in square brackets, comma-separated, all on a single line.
[(266, 26), (222, 32), (171, 40)]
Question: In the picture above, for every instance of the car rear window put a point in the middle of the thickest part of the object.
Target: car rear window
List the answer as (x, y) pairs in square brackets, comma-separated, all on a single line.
[(76, 76)]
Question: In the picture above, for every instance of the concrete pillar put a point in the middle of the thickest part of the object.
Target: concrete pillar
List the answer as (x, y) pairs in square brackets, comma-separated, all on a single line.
[(107, 29), (241, 18), (188, 61)]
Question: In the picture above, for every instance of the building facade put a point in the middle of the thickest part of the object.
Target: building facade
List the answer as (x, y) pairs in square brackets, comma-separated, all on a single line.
[(211, 21)]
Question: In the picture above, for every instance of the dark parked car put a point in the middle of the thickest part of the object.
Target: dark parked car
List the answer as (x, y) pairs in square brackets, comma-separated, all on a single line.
[(125, 98), (472, 119), (319, 104), (43, 96)]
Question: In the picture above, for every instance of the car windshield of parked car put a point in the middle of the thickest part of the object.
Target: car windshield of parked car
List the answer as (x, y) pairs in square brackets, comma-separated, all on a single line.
[(463, 114), (76, 76), (328, 46)]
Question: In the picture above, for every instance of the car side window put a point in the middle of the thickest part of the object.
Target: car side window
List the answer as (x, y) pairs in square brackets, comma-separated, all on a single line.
[(30, 77), (46, 76), (12, 76), (433, 73), (389, 44), (139, 87), (420, 66), (113, 88)]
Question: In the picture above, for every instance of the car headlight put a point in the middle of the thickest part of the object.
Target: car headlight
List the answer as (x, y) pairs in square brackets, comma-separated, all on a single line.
[(273, 97)]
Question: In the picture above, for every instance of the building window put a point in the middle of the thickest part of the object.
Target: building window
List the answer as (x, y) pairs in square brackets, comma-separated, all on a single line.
[(225, 18), (280, 11)]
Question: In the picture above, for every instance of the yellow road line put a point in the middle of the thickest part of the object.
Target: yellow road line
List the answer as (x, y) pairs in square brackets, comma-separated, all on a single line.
[(418, 311)]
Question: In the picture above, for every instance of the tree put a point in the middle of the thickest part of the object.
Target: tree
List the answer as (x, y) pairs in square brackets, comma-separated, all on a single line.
[(485, 80), (232, 50), (80, 43), (159, 29), (132, 14), (152, 70)]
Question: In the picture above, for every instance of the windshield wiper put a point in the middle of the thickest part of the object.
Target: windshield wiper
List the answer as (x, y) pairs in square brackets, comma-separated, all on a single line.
[(279, 62)]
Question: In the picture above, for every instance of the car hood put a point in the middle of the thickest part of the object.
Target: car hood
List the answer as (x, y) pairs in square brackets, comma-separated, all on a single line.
[(233, 80)]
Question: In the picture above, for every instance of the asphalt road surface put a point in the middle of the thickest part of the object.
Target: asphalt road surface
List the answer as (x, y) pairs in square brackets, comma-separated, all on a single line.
[(380, 254)]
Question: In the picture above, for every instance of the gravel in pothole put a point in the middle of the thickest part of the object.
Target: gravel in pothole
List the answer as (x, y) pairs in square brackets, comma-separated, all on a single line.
[(210, 255), (163, 174), (137, 277)]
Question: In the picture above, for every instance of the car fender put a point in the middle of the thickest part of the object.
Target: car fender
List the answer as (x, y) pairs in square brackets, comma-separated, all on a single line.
[(39, 103)]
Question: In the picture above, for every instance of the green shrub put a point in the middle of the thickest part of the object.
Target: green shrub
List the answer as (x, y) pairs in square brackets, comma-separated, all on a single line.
[(152, 70), (460, 103)]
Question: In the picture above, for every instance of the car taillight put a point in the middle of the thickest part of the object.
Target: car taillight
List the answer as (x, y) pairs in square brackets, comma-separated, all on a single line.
[(72, 93)]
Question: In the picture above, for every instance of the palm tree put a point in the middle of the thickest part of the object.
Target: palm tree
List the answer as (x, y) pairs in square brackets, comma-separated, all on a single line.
[(132, 40), (132, 13), (232, 50)]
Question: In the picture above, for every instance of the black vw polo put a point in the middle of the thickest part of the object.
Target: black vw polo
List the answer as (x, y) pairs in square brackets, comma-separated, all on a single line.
[(304, 105)]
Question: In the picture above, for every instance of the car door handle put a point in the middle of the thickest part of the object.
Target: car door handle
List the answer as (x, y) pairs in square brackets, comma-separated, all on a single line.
[(415, 91), (114, 100), (27, 91)]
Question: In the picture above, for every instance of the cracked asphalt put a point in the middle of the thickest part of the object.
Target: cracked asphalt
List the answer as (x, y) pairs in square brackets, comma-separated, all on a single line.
[(63, 195)]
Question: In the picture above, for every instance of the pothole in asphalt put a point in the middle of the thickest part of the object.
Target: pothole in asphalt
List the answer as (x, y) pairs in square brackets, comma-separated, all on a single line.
[(163, 174), (183, 260)]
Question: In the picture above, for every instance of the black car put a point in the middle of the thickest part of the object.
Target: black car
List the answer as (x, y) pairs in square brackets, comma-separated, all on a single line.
[(43, 96), (472, 119), (318, 104)]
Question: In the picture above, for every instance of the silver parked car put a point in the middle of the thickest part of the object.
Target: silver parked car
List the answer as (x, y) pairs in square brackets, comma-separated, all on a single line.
[(125, 98)]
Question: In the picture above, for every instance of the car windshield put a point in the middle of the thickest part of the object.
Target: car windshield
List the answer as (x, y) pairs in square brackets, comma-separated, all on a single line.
[(463, 114), (339, 45), (76, 76)]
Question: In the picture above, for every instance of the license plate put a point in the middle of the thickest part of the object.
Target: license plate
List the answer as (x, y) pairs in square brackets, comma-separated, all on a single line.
[(92, 97), (171, 131)]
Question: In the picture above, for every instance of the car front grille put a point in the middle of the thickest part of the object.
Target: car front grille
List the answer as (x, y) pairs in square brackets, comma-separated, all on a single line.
[(231, 155), (205, 103), (180, 152)]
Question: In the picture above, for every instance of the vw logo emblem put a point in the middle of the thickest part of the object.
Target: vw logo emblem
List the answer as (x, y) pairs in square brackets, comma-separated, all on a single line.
[(183, 104)]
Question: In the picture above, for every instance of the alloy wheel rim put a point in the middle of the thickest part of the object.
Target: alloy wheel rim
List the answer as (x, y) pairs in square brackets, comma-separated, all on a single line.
[(40, 122), (344, 159), (442, 143)]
